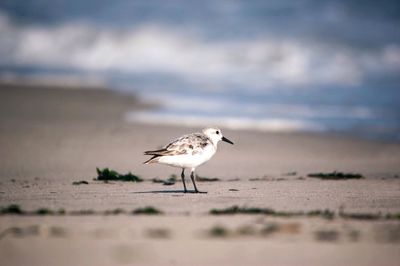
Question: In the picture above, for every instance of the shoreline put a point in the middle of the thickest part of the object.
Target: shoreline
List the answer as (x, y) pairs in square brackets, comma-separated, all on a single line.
[(52, 140), (65, 133)]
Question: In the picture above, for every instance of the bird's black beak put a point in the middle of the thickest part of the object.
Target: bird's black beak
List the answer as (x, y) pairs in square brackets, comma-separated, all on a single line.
[(227, 140)]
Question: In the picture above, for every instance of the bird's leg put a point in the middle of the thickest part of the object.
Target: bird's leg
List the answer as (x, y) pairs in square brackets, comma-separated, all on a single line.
[(194, 183), (192, 174), (183, 179)]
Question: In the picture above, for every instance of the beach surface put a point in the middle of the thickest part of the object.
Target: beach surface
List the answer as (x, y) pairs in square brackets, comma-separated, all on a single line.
[(51, 137)]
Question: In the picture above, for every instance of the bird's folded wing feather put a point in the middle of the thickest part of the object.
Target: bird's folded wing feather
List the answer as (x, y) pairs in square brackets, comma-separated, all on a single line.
[(176, 147), (187, 144)]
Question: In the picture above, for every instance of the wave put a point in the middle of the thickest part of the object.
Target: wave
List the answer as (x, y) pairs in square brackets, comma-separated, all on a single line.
[(207, 105), (259, 62), (230, 122), (274, 82)]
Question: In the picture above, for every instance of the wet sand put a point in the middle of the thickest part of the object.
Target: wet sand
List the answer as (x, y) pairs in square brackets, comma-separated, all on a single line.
[(51, 137)]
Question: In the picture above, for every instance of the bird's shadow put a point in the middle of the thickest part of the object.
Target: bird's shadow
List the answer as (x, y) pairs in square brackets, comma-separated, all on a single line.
[(170, 191)]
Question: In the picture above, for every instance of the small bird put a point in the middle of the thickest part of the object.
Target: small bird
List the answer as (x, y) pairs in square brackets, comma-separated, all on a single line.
[(189, 151)]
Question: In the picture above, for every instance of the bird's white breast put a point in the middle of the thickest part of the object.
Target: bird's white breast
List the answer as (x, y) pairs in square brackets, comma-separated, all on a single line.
[(190, 160)]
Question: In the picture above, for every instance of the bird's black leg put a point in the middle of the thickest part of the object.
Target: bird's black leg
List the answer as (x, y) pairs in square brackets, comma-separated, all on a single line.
[(194, 183), (183, 179)]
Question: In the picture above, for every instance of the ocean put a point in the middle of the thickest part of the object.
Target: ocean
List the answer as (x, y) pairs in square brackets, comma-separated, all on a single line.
[(282, 66)]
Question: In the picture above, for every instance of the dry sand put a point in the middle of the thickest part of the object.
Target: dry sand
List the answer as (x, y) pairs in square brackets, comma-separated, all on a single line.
[(51, 137)]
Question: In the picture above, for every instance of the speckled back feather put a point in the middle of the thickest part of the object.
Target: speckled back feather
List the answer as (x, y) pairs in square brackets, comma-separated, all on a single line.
[(187, 144)]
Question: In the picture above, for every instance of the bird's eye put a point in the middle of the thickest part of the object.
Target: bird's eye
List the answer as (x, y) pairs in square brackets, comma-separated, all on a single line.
[(217, 132)]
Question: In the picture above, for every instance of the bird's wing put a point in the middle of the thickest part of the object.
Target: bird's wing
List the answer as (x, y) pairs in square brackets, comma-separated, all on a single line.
[(188, 144)]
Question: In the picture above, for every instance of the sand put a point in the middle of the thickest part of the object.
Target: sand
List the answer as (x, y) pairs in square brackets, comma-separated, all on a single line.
[(51, 137)]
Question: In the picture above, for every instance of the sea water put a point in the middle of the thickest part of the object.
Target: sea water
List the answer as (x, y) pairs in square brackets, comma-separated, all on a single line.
[(320, 66)]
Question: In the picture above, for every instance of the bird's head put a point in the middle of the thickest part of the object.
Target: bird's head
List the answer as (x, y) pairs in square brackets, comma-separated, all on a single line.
[(215, 135)]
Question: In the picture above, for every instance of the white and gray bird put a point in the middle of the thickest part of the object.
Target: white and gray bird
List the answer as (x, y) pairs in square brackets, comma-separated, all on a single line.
[(189, 151)]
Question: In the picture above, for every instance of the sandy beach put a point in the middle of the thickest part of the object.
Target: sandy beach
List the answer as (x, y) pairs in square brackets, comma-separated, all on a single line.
[(52, 137)]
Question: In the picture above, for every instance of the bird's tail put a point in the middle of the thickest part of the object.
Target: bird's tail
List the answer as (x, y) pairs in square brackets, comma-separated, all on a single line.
[(153, 159)]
